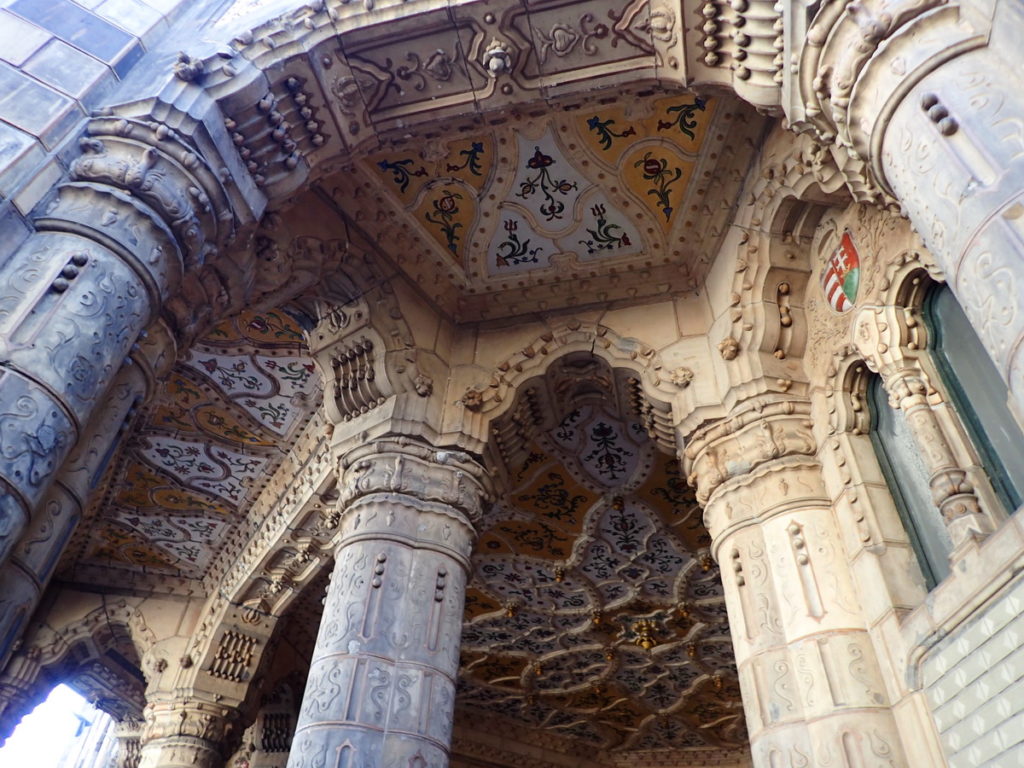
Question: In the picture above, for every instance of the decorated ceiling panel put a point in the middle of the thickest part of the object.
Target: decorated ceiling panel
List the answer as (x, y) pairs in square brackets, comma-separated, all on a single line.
[(614, 198), (594, 608), (221, 423)]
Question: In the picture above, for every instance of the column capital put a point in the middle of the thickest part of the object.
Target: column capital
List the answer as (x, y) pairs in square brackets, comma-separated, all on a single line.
[(160, 168), (185, 732), (756, 438), (429, 478)]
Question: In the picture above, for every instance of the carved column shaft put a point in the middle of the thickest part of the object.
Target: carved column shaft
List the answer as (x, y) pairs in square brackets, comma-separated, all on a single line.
[(69, 314), (381, 688), (25, 574), (951, 489), (812, 688), (951, 153), (108, 252)]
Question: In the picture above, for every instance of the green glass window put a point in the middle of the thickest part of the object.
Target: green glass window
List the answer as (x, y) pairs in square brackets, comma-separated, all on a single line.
[(978, 394), (907, 477)]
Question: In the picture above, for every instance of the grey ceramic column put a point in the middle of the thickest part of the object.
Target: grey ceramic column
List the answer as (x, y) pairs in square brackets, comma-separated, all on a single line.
[(25, 574), (381, 686), (109, 250)]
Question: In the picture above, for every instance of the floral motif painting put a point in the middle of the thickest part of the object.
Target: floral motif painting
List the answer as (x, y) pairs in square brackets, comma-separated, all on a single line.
[(593, 603)]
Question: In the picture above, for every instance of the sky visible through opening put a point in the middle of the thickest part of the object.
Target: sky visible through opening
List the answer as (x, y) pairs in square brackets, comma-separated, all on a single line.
[(52, 734)]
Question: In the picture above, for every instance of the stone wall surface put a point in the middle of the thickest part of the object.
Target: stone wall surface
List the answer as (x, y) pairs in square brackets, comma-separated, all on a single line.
[(975, 683)]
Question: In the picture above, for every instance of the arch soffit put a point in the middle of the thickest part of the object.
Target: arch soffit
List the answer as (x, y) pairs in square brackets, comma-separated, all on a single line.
[(48, 645)]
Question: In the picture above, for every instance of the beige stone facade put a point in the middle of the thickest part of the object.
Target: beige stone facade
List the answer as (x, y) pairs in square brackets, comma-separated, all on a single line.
[(515, 382)]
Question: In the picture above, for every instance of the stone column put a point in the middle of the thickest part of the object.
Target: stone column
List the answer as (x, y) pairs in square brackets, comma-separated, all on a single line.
[(812, 688), (25, 574), (951, 489), (108, 251), (934, 97), (381, 687), (185, 733)]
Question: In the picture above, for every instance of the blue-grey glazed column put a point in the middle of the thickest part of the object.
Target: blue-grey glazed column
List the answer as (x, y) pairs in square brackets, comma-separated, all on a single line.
[(381, 687), (109, 249), (25, 574)]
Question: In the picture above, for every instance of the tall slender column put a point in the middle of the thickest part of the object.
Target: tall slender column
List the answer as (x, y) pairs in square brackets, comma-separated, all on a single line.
[(812, 689), (108, 251), (952, 491), (381, 688)]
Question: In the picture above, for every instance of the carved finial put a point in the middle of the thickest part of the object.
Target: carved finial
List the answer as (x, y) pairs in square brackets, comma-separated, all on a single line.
[(497, 58), (188, 68)]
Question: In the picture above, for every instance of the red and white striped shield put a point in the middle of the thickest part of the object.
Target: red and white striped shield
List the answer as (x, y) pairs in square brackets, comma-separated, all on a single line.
[(841, 276)]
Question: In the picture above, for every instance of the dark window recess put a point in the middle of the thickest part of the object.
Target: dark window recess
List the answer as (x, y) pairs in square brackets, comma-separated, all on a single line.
[(907, 477), (979, 396)]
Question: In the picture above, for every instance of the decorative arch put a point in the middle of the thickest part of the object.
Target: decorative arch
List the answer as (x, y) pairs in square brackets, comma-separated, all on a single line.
[(651, 387), (79, 652)]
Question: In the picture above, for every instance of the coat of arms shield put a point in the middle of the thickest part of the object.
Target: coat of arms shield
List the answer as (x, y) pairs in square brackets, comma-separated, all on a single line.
[(841, 276)]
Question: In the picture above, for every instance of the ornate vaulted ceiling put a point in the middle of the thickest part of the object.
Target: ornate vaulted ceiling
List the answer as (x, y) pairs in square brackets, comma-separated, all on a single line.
[(608, 200), (221, 423), (594, 609)]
